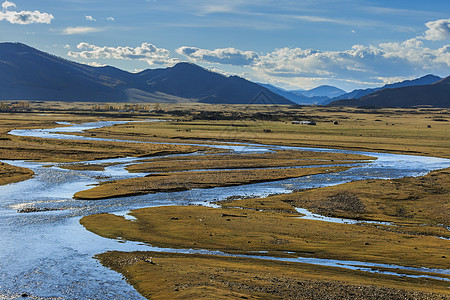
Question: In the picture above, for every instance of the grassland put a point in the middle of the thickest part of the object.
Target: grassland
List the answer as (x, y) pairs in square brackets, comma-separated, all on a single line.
[(173, 182), (271, 224), (180, 276), (276, 159), (53, 150), (418, 207), (11, 174), (410, 131)]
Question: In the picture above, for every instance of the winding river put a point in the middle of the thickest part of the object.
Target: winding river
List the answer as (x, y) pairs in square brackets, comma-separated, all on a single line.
[(49, 255)]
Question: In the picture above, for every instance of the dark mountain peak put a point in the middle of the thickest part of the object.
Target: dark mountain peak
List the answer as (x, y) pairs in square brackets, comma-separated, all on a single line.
[(429, 76), (30, 74), (427, 79), (10, 46), (187, 67), (185, 64)]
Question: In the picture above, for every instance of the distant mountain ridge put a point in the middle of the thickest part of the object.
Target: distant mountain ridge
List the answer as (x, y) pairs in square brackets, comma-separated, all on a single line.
[(436, 94), (29, 74), (307, 97), (324, 91), (358, 93)]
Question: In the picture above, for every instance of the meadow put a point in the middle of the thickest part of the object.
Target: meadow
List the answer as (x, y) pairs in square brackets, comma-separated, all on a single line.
[(417, 208)]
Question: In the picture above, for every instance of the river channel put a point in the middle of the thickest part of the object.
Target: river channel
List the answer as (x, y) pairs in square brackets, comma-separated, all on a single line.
[(49, 255)]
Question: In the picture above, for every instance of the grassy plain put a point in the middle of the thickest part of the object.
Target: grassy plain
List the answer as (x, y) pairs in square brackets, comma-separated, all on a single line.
[(54, 150), (181, 276), (418, 207), (183, 181), (422, 131), (245, 161), (271, 224)]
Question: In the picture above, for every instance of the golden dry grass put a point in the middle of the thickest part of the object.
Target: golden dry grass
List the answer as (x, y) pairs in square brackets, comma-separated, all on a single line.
[(181, 276), (246, 231), (421, 205), (53, 150), (172, 182), (265, 160), (385, 130), (11, 174)]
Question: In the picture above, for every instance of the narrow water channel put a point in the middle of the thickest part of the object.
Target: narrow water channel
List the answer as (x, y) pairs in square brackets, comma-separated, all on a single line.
[(48, 254)]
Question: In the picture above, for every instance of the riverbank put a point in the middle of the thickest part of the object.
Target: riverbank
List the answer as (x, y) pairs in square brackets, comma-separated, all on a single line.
[(183, 181), (265, 222), (271, 226), (63, 150), (421, 131), (192, 276), (11, 174)]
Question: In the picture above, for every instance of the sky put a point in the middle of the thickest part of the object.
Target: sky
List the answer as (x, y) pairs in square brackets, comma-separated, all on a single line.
[(292, 44)]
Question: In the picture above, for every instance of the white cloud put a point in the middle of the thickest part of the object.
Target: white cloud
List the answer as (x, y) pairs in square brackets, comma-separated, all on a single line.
[(6, 5), (111, 19), (438, 30), (146, 52), (81, 30), (90, 18), (229, 56), (361, 64), (23, 17)]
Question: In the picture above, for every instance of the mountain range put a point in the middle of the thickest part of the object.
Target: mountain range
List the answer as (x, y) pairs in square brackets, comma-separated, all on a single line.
[(316, 95), (436, 94), (359, 93), (429, 90), (29, 74)]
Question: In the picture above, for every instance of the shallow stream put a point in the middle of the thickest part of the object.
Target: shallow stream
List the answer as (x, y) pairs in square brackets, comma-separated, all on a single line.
[(48, 254)]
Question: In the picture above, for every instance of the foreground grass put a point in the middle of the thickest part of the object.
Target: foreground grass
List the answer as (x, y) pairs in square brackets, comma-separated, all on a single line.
[(272, 224), (180, 276), (11, 174), (420, 205), (238, 231)]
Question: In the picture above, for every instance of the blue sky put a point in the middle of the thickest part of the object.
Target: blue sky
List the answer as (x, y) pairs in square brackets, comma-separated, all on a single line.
[(291, 44)]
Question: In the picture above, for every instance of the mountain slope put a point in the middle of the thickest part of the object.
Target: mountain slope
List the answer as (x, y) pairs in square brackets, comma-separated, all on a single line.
[(356, 94), (294, 96), (436, 94), (298, 96), (29, 74)]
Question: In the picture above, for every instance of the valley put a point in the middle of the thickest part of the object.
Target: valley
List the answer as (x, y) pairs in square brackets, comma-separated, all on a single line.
[(193, 204)]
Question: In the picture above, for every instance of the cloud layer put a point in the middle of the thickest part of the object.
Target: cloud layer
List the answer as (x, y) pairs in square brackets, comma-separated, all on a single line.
[(360, 64), (23, 17), (228, 56), (438, 30), (146, 52)]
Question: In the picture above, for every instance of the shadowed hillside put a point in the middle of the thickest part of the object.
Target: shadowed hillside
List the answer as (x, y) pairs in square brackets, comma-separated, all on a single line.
[(29, 74), (436, 94)]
